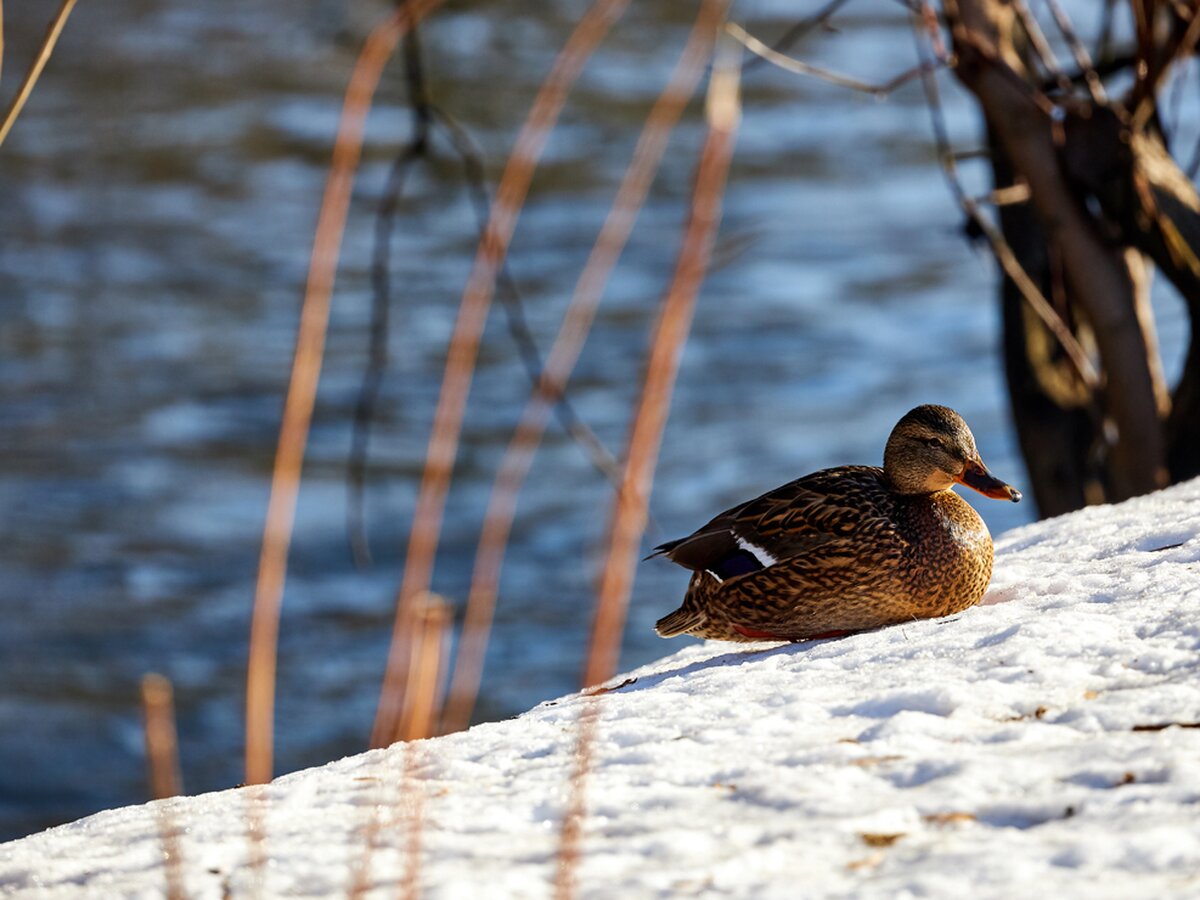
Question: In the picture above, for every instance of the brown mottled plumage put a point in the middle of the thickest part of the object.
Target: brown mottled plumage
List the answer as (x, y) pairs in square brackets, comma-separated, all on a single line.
[(846, 549)]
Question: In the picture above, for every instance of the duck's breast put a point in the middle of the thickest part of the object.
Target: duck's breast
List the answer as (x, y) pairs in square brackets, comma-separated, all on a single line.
[(949, 562)]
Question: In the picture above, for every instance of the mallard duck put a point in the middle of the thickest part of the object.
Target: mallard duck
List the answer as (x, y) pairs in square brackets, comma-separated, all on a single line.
[(846, 549)]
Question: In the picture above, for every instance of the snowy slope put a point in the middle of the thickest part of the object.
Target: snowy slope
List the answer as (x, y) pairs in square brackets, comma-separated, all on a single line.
[(1014, 750)]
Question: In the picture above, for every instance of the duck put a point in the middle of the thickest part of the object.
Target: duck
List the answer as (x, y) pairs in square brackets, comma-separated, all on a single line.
[(847, 549)]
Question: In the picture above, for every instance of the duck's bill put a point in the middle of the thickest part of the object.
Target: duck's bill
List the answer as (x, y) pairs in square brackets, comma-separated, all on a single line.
[(977, 477)]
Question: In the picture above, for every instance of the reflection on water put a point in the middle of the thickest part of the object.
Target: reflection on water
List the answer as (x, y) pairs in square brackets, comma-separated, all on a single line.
[(156, 207)]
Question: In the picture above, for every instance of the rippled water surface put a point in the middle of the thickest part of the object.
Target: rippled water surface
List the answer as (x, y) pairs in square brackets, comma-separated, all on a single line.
[(157, 202)]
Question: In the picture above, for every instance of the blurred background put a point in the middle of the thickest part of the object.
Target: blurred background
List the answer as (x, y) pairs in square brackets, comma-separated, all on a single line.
[(157, 204)]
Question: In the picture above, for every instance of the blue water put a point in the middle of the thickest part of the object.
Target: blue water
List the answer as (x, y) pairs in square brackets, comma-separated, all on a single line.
[(157, 201)]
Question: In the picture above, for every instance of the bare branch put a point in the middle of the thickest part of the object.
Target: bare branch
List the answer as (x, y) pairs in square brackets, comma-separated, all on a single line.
[(1009, 196), (999, 246), (1082, 58), (510, 298), (427, 118), (757, 47), (797, 31), (1032, 138), (1193, 165), (1034, 31), (1104, 46), (377, 353)]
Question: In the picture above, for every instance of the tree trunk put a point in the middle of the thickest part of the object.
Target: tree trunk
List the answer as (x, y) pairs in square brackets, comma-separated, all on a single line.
[(1068, 436)]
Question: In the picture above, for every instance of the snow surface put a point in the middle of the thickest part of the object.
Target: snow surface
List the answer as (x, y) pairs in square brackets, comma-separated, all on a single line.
[(1014, 750)]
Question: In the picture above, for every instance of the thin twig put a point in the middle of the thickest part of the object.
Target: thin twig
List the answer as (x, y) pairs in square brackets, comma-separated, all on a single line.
[(1037, 301), (464, 347), (1144, 34), (675, 317), (306, 369), (510, 298), (1154, 68), (162, 758), (1012, 195), (1193, 165), (1041, 46), (1104, 34), (377, 356), (757, 47), (564, 354), (1174, 107), (1000, 249), (1190, 38), (428, 117), (796, 32), (1082, 58), (53, 30)]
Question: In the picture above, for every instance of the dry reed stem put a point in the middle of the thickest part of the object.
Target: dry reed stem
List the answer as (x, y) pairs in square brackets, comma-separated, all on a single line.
[(257, 799), (53, 30), (561, 360), (629, 515), (162, 758), (723, 111), (360, 875), (302, 388), (571, 839), (412, 801), (425, 669), (464, 347), (431, 623)]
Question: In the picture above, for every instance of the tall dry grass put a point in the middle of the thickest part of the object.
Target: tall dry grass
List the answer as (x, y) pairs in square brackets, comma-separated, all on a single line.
[(675, 318), (44, 52), (302, 387), (560, 362), (629, 516), (464, 347), (162, 760)]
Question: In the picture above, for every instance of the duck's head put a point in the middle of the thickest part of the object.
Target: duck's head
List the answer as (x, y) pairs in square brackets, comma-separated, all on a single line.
[(931, 449)]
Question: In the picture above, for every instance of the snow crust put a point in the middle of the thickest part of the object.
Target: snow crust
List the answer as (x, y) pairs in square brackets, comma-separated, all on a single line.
[(1018, 749)]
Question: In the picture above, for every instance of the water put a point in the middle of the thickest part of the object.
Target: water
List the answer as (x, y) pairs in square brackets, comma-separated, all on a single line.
[(157, 201)]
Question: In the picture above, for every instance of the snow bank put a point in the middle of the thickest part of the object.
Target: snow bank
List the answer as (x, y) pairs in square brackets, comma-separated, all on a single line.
[(1044, 743)]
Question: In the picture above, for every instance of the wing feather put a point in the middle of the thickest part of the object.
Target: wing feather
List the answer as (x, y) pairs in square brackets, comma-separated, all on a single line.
[(792, 520)]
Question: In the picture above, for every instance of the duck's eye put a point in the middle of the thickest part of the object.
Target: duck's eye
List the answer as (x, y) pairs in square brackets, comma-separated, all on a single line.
[(933, 442)]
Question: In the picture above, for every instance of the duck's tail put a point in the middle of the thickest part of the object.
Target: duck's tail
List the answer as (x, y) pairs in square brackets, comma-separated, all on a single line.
[(681, 621)]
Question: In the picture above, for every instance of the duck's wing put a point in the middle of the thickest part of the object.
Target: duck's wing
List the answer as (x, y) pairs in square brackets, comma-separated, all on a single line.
[(826, 509)]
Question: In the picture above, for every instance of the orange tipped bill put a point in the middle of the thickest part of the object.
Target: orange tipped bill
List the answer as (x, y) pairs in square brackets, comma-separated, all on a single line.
[(976, 476)]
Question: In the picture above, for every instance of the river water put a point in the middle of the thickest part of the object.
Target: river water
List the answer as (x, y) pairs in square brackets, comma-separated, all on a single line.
[(157, 202)]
